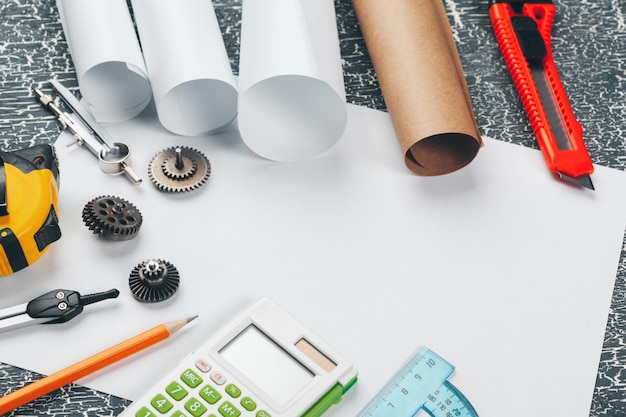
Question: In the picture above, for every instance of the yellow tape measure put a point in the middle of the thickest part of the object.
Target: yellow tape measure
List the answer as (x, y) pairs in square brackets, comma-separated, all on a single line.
[(29, 181)]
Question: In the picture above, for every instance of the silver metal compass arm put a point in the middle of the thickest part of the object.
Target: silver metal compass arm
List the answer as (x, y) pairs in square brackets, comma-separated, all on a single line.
[(16, 317)]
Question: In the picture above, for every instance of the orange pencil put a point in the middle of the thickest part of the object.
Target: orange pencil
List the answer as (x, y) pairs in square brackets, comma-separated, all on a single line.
[(90, 365)]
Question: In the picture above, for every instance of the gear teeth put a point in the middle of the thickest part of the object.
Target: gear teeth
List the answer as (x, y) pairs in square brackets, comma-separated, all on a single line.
[(167, 177), (153, 280), (112, 218), (190, 167)]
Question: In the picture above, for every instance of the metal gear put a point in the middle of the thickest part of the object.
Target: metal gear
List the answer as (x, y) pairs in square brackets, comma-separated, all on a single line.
[(153, 280), (179, 169), (112, 218)]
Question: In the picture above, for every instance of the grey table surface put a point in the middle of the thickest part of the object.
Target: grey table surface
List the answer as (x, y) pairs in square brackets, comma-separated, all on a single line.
[(589, 43)]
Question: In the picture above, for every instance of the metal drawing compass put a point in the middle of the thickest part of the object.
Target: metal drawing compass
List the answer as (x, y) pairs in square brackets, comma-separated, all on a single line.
[(56, 306)]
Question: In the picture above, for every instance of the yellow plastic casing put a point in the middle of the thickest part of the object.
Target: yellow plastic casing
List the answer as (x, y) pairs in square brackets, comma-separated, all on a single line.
[(31, 200)]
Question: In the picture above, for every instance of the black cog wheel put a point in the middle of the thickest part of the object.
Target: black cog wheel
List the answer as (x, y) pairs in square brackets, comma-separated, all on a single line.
[(112, 218), (154, 280)]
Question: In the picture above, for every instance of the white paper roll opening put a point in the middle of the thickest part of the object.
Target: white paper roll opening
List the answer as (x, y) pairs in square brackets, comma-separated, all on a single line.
[(291, 117), (191, 108), (115, 91)]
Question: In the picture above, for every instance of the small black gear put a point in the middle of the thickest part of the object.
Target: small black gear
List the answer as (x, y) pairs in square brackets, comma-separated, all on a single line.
[(112, 218), (153, 280), (179, 169)]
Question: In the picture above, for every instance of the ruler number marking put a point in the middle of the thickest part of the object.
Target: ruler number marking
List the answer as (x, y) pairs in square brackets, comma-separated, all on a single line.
[(424, 376)]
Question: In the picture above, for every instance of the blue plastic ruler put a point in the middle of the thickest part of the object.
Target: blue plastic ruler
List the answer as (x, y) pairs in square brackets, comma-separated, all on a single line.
[(421, 384)]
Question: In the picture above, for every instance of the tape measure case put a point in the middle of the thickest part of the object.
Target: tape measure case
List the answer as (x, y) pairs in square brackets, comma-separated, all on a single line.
[(29, 181)]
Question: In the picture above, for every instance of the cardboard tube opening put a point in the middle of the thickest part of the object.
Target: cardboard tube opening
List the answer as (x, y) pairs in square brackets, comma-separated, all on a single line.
[(441, 154)]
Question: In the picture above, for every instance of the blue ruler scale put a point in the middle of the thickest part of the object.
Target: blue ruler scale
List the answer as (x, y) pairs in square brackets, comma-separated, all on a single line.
[(421, 384)]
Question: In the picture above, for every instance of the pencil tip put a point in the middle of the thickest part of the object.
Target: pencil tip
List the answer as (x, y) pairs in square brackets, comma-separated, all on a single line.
[(175, 326)]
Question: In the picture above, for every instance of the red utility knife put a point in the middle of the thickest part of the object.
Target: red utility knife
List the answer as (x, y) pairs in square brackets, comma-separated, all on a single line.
[(522, 29)]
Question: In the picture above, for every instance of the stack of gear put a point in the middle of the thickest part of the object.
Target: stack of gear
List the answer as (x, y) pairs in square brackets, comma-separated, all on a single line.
[(29, 181), (179, 169)]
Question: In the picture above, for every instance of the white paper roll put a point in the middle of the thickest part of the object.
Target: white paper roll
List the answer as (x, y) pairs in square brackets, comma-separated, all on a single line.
[(192, 82), (292, 100), (105, 50)]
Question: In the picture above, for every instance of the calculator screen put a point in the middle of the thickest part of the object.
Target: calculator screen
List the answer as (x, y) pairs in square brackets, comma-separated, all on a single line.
[(267, 365)]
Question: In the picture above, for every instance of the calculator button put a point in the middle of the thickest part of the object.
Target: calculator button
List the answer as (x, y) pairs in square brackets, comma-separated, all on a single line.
[(229, 410), (233, 390), (263, 413), (178, 414), (161, 404), (191, 378), (210, 395), (195, 407), (176, 391), (203, 365), (248, 403), (218, 378), (144, 412)]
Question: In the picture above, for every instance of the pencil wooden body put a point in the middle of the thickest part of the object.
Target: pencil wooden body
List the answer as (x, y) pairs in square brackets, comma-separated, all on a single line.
[(88, 366)]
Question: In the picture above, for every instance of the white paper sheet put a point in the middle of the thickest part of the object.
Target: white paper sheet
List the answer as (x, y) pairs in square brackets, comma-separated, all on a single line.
[(105, 51), (192, 82), (500, 268), (291, 102)]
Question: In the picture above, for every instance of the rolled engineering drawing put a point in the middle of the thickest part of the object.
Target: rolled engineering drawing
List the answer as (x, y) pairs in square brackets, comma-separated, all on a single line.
[(422, 81)]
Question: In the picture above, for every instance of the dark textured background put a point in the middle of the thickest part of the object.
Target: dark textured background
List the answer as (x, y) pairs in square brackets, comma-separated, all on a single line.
[(589, 42)]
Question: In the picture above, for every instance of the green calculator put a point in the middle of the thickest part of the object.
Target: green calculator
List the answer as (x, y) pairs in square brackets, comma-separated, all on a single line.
[(262, 363)]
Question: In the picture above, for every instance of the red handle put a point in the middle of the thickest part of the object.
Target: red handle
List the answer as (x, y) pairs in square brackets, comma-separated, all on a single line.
[(573, 162)]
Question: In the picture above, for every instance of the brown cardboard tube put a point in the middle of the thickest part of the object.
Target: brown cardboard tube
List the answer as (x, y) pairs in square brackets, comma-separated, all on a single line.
[(420, 74)]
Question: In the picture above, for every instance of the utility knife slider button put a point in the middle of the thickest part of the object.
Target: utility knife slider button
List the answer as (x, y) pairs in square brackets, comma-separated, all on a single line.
[(532, 44)]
